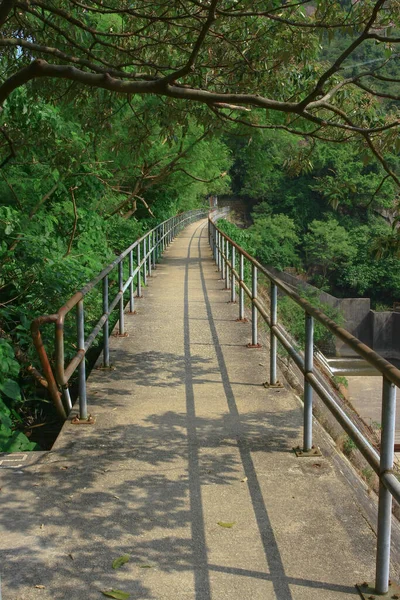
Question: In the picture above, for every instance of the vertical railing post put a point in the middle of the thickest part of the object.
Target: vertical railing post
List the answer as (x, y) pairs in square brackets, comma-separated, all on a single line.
[(121, 300), (272, 337), (254, 313), (241, 290), (219, 251), (215, 250), (153, 254), (227, 270), (233, 280), (131, 296), (150, 237), (139, 275), (308, 392), (223, 257), (163, 237), (158, 243), (385, 498), (145, 260), (80, 318), (106, 347)]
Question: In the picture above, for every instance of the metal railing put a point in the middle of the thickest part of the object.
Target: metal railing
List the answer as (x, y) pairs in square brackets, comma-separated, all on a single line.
[(148, 250), (230, 259)]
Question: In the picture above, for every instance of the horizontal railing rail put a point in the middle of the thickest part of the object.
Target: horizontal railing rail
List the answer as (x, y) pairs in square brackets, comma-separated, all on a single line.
[(147, 249), (230, 259)]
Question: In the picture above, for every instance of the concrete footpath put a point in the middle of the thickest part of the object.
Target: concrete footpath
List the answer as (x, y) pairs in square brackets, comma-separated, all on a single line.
[(189, 470)]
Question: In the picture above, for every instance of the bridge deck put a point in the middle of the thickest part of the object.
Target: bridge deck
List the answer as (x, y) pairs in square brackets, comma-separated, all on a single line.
[(185, 438)]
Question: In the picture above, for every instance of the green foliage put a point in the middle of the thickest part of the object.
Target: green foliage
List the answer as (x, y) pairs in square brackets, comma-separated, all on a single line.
[(327, 245), (348, 446), (293, 319), (339, 380), (275, 241), (11, 440)]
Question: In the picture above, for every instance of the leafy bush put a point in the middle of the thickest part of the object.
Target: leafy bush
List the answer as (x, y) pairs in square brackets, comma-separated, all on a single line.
[(11, 440)]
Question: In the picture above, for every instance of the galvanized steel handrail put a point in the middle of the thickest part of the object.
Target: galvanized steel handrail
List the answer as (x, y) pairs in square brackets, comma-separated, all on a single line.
[(225, 252), (149, 247)]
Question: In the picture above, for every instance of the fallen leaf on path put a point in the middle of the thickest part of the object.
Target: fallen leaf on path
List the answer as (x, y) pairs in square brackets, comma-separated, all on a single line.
[(244, 479), (118, 594), (121, 560), (40, 587), (227, 525)]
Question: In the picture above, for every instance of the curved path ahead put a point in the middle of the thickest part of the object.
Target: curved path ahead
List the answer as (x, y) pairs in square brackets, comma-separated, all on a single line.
[(186, 439)]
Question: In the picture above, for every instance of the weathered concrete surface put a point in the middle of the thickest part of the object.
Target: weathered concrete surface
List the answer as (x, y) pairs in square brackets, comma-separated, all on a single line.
[(185, 437)]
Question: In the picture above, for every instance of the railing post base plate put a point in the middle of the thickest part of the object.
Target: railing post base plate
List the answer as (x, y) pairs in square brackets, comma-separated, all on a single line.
[(249, 345), (367, 591), (78, 421), (244, 320), (272, 386), (313, 452), (120, 334)]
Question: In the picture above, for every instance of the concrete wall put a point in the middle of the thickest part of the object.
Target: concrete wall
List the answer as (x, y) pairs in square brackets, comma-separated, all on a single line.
[(386, 333), (357, 317)]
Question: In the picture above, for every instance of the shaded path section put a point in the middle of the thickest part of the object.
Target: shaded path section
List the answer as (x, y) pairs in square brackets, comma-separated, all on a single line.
[(186, 438)]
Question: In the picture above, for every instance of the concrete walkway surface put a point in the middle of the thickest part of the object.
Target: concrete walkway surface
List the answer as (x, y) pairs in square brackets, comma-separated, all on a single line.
[(186, 440)]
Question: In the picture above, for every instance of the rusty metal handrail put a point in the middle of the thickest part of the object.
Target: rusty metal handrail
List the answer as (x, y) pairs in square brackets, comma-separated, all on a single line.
[(149, 247), (225, 252)]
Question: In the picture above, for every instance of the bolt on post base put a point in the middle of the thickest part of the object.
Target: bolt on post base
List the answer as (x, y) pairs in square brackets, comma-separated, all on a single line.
[(78, 421), (268, 385), (313, 452), (249, 345), (367, 591)]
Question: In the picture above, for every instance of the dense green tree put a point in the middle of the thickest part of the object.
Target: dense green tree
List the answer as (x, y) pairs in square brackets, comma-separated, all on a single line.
[(275, 241), (327, 245)]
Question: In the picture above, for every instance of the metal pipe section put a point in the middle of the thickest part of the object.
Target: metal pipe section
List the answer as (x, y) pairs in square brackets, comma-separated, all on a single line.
[(153, 251), (223, 258), (385, 497), (272, 338), (45, 363), (106, 348), (139, 274), (241, 290), (149, 253), (254, 314), (233, 276), (80, 319), (308, 392), (227, 270), (131, 296), (145, 261), (121, 301)]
